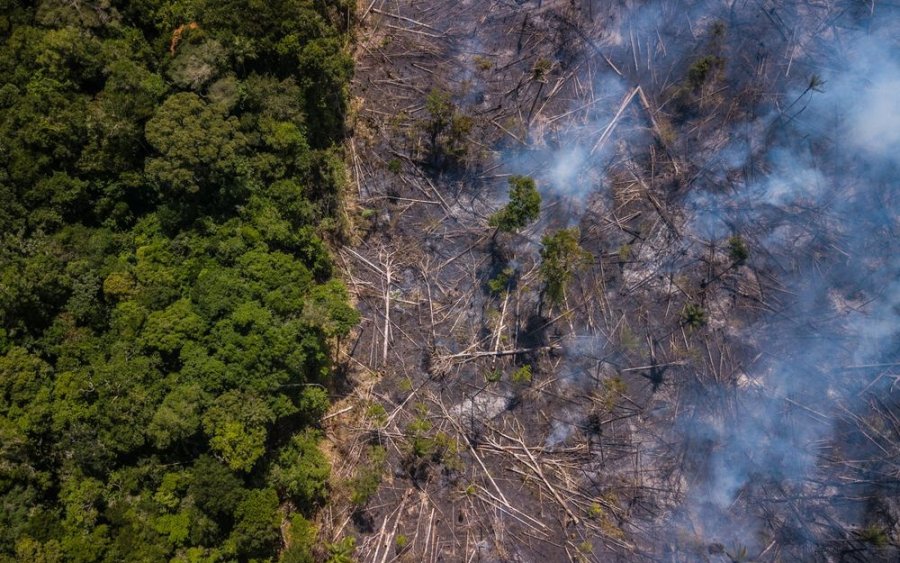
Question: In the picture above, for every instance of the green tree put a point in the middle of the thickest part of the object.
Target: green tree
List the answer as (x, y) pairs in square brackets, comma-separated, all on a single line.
[(561, 257), (215, 489), (198, 146), (22, 376), (167, 330), (237, 425), (440, 110), (737, 250), (523, 208), (301, 470), (326, 69), (368, 477), (255, 532), (302, 541), (447, 129), (693, 315), (178, 416), (327, 308), (342, 551)]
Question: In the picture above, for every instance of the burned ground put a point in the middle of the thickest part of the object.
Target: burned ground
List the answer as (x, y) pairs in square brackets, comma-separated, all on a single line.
[(718, 382)]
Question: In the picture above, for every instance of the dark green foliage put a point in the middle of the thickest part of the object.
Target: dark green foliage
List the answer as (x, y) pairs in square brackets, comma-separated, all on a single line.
[(255, 532), (502, 281), (523, 207), (522, 375), (493, 376), (737, 250), (540, 69), (213, 488), (302, 541), (342, 551), (687, 95), (693, 315), (447, 130), (167, 307), (702, 69), (365, 484), (301, 471), (198, 146), (561, 257), (440, 111), (874, 535)]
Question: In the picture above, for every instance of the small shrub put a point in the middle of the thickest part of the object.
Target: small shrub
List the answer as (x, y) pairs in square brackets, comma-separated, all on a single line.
[(613, 390), (421, 445), (541, 68), (493, 376), (628, 339), (693, 315), (561, 256), (440, 109), (737, 250), (738, 554), (874, 535), (446, 451), (367, 480), (586, 547), (460, 127), (482, 63), (522, 375), (424, 448), (394, 165), (523, 208), (342, 551), (377, 413), (701, 71), (499, 284)]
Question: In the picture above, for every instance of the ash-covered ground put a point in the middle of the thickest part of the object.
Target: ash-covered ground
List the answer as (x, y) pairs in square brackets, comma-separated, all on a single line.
[(719, 381)]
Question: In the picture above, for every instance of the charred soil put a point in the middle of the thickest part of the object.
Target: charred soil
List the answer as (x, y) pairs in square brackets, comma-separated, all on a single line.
[(716, 379)]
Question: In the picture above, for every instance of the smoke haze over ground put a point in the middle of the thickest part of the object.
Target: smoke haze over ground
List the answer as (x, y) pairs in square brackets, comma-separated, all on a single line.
[(818, 195), (720, 382)]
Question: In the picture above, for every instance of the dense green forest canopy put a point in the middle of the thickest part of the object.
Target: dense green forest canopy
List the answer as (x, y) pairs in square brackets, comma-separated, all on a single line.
[(168, 172)]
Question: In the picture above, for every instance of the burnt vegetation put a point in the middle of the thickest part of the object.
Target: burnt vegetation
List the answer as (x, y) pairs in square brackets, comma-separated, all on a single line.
[(627, 291)]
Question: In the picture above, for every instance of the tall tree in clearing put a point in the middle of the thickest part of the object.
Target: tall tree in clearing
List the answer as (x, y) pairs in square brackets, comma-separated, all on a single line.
[(523, 207)]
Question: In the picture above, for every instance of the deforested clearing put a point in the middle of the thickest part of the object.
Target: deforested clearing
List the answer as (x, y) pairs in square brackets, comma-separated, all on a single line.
[(690, 353)]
